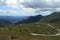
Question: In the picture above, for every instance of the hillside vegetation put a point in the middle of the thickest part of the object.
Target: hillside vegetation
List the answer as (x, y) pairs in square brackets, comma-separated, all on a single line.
[(48, 25), (53, 18), (22, 32)]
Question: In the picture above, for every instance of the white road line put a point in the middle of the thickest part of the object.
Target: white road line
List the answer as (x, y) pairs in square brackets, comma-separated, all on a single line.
[(34, 34), (53, 27)]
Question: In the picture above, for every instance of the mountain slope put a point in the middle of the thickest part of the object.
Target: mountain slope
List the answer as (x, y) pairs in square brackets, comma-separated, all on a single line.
[(4, 22), (53, 18), (31, 19)]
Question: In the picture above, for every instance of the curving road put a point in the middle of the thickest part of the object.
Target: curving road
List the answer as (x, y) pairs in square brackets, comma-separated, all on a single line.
[(53, 27), (34, 34), (58, 34)]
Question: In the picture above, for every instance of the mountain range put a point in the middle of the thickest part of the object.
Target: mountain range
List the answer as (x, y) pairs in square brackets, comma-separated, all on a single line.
[(30, 19), (7, 20)]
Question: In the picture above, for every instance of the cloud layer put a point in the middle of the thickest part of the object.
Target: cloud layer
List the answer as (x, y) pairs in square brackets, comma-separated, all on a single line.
[(33, 7), (41, 3)]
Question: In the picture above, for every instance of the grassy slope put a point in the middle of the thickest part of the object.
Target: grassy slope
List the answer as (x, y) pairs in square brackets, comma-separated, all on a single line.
[(22, 32), (53, 18)]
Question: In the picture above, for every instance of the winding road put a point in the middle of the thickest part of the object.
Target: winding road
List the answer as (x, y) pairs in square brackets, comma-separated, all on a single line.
[(58, 34), (53, 27)]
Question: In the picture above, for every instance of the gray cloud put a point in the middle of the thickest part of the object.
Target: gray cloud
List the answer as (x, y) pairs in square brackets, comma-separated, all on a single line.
[(46, 9), (34, 4), (41, 4), (43, 7), (2, 2)]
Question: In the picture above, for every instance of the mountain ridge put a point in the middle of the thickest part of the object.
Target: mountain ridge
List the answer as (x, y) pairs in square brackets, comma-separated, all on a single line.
[(53, 18)]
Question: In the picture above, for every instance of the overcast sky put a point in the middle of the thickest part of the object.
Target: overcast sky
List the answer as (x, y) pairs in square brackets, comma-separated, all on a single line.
[(28, 7)]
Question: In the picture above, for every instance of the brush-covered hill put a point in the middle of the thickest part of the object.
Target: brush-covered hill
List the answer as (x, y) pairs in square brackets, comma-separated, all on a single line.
[(53, 18)]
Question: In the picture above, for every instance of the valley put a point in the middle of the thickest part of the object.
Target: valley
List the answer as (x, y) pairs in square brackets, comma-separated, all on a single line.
[(33, 28)]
